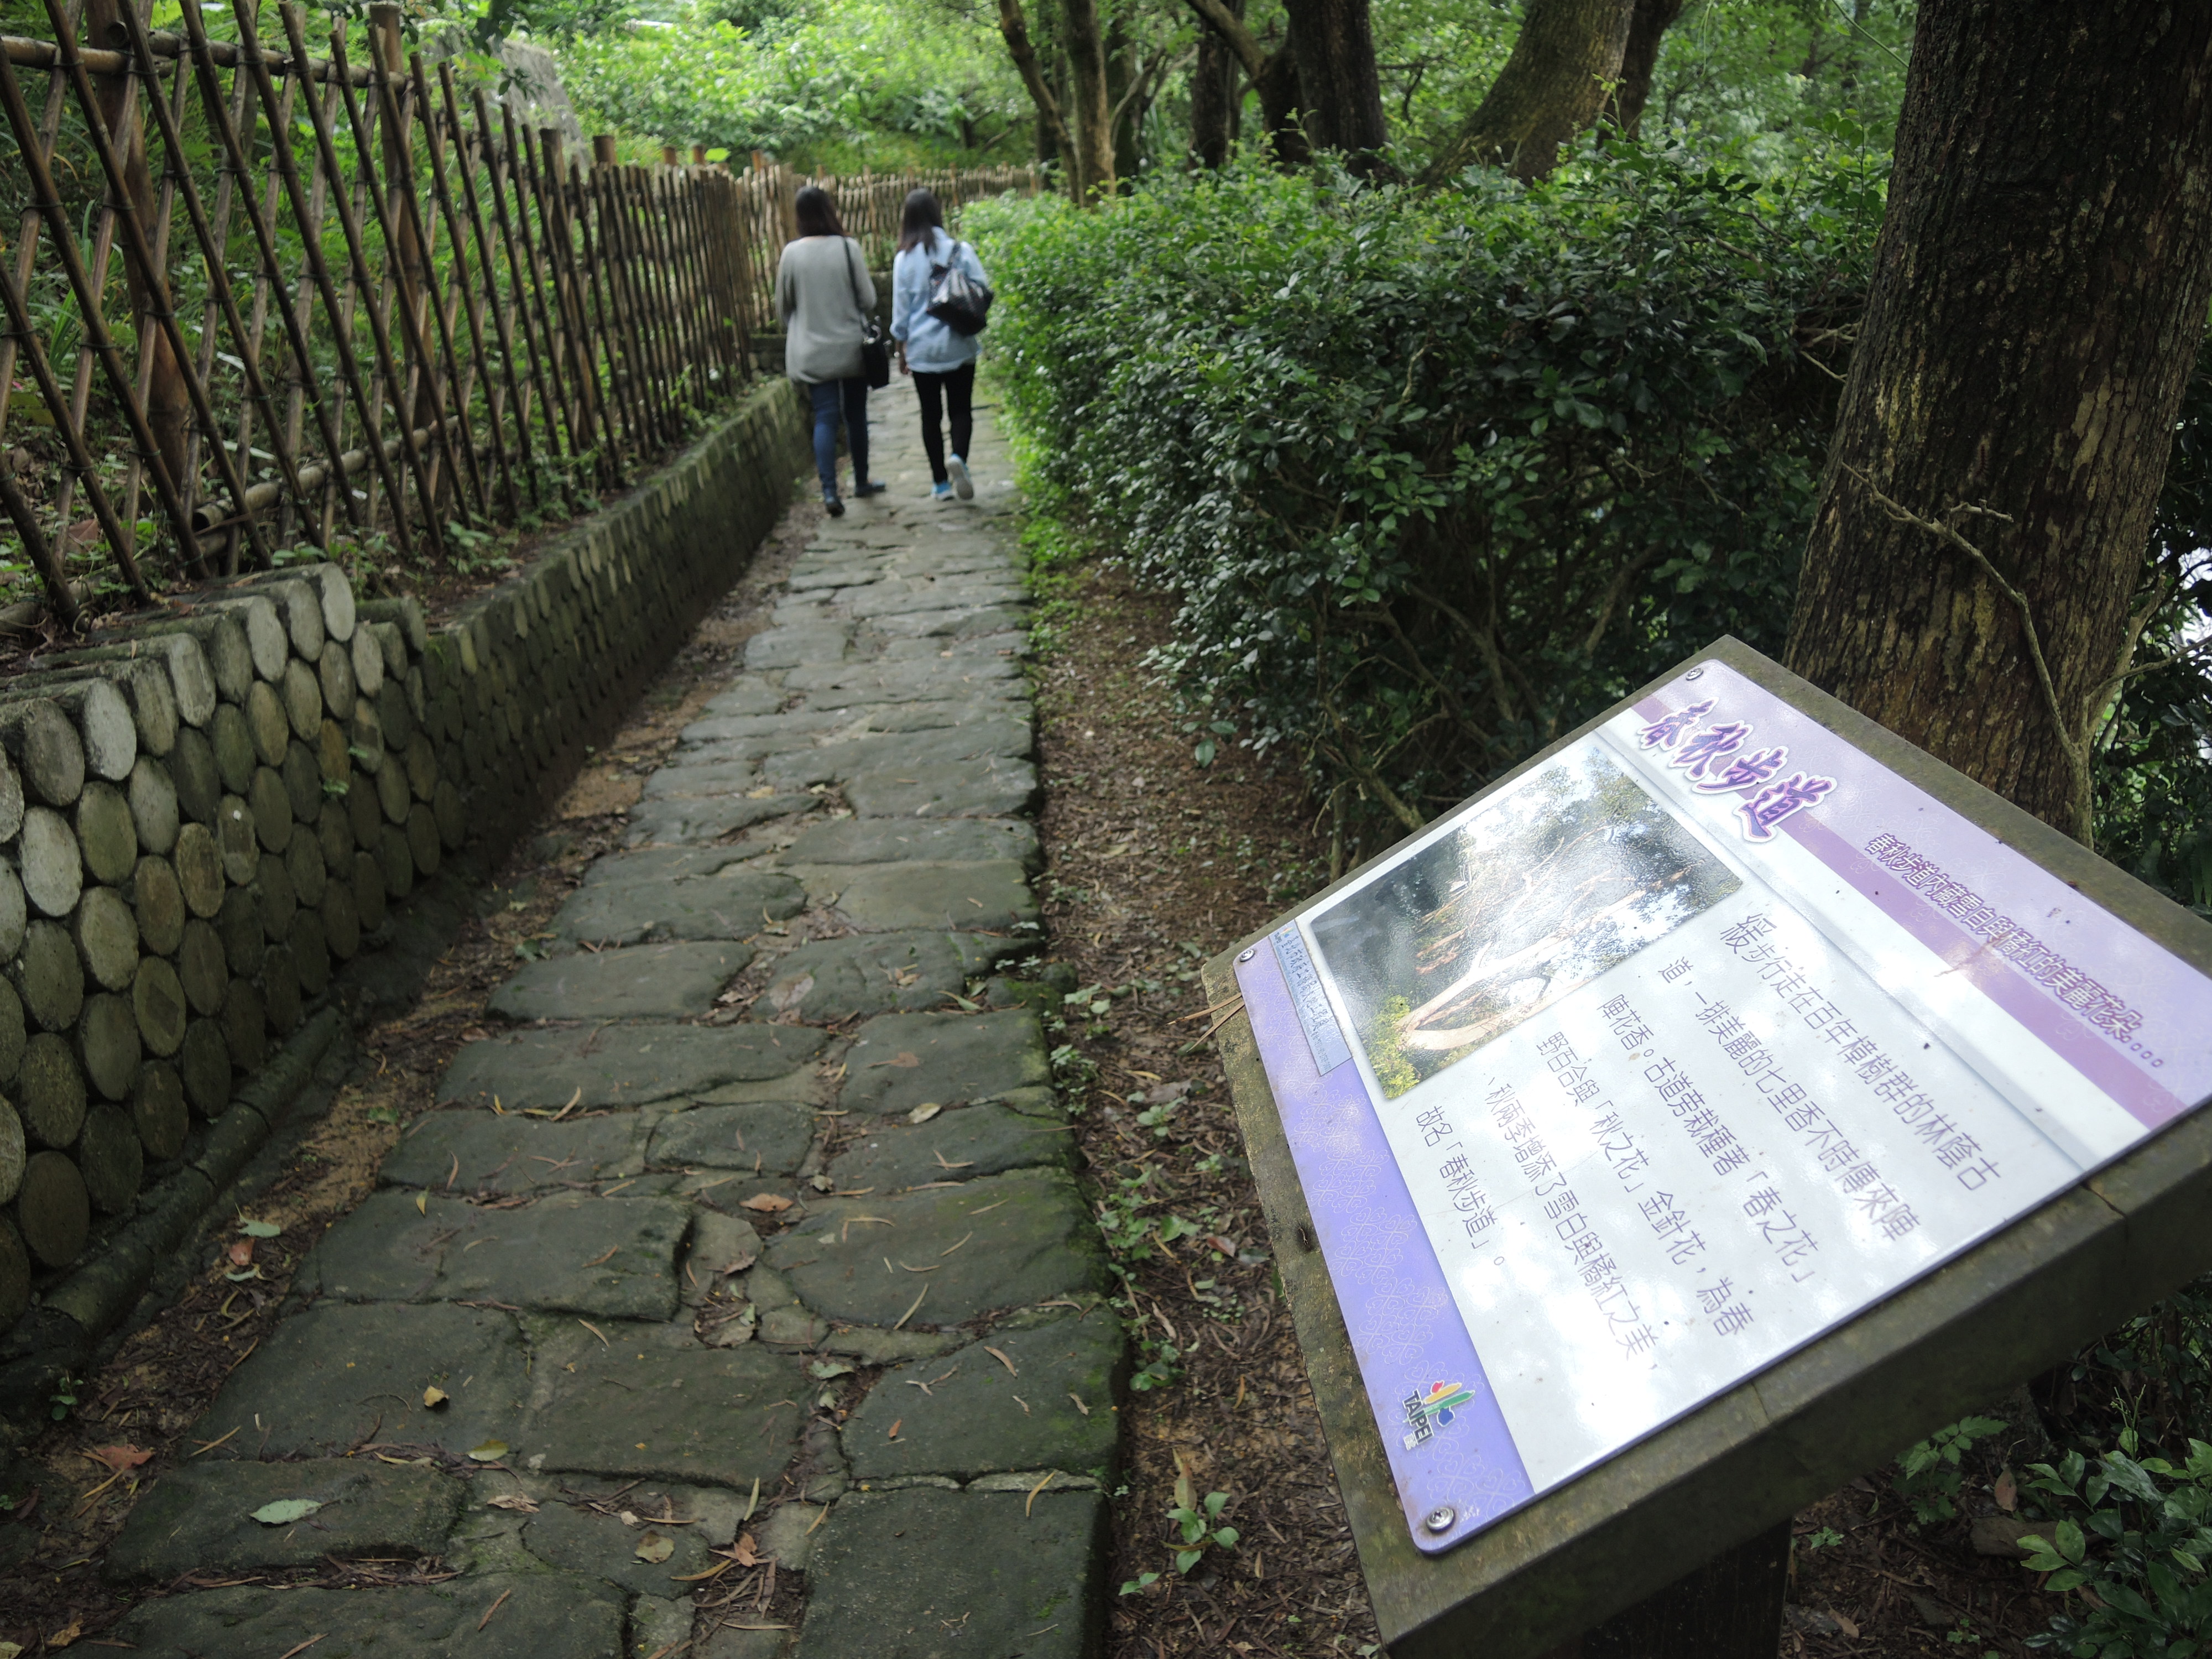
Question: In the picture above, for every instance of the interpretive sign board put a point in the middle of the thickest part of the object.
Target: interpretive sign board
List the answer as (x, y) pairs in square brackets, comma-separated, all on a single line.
[(1681, 1048)]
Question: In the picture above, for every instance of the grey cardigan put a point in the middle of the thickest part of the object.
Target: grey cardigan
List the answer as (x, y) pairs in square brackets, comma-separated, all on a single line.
[(822, 293)]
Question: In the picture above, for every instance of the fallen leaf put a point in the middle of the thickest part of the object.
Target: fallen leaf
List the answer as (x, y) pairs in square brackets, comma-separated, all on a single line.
[(1845, 1624), (654, 1549), (422, 1204), (241, 1253), (1079, 1406), (766, 1203), (434, 1396), (745, 1552), (903, 1060), (11, 1650), (66, 1634), (826, 1369), (2006, 1492), (490, 1452), (118, 1458), (259, 1228), (1003, 1360), (923, 1113), (243, 1274), (896, 1426), (285, 1510), (513, 1500)]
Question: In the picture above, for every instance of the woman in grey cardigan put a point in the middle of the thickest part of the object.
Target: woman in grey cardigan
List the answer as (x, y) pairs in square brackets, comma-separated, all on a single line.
[(823, 293)]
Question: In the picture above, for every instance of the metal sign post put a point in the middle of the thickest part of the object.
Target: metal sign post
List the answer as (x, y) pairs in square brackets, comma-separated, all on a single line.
[(1725, 1098)]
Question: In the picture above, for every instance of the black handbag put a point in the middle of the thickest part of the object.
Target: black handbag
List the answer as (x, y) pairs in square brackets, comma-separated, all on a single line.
[(957, 300), (875, 350)]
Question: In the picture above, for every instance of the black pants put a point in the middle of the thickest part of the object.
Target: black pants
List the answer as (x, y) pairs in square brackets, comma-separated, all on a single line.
[(956, 388)]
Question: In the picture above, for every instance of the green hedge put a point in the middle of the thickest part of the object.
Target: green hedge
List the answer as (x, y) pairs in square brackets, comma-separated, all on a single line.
[(1437, 477)]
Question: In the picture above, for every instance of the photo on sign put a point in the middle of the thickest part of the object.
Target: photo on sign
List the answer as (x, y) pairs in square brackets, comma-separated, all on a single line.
[(1570, 872)]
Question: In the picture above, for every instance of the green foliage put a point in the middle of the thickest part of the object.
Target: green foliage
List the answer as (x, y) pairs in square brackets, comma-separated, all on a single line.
[(836, 86), (1436, 477), (2130, 1541), (1929, 1476), (1197, 1524)]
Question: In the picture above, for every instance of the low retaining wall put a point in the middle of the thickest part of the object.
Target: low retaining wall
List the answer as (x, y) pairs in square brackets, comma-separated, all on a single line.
[(207, 815)]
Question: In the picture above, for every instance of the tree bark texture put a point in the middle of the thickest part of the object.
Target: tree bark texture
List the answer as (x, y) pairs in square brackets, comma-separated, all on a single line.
[(1094, 110), (1275, 77), (1554, 83), (1215, 83), (1647, 25), (2040, 293), (1334, 44)]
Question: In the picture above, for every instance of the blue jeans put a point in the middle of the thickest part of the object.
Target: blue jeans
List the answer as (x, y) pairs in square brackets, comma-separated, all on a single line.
[(828, 396)]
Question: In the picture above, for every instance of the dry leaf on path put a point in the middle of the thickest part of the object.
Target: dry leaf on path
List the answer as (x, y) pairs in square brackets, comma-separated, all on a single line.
[(1845, 1624), (766, 1203), (490, 1452), (240, 1252), (516, 1501), (118, 1458), (746, 1550), (66, 1634), (654, 1549), (2006, 1492), (434, 1396), (923, 1113), (285, 1510)]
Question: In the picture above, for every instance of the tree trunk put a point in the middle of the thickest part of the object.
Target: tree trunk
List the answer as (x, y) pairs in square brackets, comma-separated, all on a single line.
[(153, 797), (106, 834), (14, 1149), (202, 968), (45, 748), (107, 937), (157, 901), (157, 999), (1094, 120), (1215, 86), (1334, 42), (204, 1066), (1553, 86), (110, 1160), (1275, 77), (1647, 24), (50, 1092), (158, 1110), (49, 976), (1122, 70), (2040, 293)]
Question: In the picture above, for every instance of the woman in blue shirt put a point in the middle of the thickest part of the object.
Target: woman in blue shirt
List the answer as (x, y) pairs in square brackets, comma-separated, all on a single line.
[(942, 361)]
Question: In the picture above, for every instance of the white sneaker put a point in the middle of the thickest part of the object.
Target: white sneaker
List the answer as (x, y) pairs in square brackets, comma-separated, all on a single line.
[(962, 486)]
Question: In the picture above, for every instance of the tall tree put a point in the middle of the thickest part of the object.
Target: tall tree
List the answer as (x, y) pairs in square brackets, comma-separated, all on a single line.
[(1975, 576), (1052, 124), (1094, 109), (1647, 25), (1333, 43), (1563, 65), (1216, 86), (1274, 75)]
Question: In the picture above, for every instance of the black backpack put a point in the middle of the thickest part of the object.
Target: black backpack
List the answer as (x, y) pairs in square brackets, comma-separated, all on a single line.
[(955, 299)]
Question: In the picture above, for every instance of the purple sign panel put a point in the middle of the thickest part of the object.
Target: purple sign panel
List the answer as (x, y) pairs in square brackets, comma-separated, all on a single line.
[(1611, 1089)]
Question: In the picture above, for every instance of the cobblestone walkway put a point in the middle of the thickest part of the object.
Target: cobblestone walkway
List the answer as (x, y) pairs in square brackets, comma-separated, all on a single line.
[(752, 1249)]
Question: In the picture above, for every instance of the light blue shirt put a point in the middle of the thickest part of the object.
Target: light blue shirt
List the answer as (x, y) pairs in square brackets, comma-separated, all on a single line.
[(931, 346)]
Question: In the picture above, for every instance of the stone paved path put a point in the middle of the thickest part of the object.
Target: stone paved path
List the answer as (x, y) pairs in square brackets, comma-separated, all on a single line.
[(660, 1279)]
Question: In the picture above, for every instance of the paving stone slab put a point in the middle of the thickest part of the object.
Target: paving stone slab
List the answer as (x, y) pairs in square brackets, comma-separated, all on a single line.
[(961, 1144), (754, 735), (611, 1258), (936, 626), (929, 1574), (786, 647), (953, 840), (898, 753), (988, 788), (646, 981), (505, 1153), (662, 864), (869, 719), (990, 897), (702, 780), (732, 905), (327, 1379), (654, 822), (545, 1616), (817, 576), (899, 1061), (622, 1065), (581, 1540), (979, 1417), (770, 1137), (199, 1518), (905, 595), (1028, 1240), (962, 649), (722, 1417), (841, 979), (745, 696), (834, 687)]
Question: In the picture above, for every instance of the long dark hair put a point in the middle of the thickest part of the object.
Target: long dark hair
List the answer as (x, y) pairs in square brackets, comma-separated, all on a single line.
[(918, 219), (816, 213)]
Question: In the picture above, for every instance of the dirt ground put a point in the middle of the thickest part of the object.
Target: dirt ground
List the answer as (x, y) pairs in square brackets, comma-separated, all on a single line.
[(75, 1485)]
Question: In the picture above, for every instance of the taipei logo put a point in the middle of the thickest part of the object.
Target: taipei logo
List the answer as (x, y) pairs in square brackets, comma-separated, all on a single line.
[(1427, 1412)]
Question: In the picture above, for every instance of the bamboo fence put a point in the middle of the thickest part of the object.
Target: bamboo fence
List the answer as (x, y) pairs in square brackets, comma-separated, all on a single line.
[(357, 302)]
